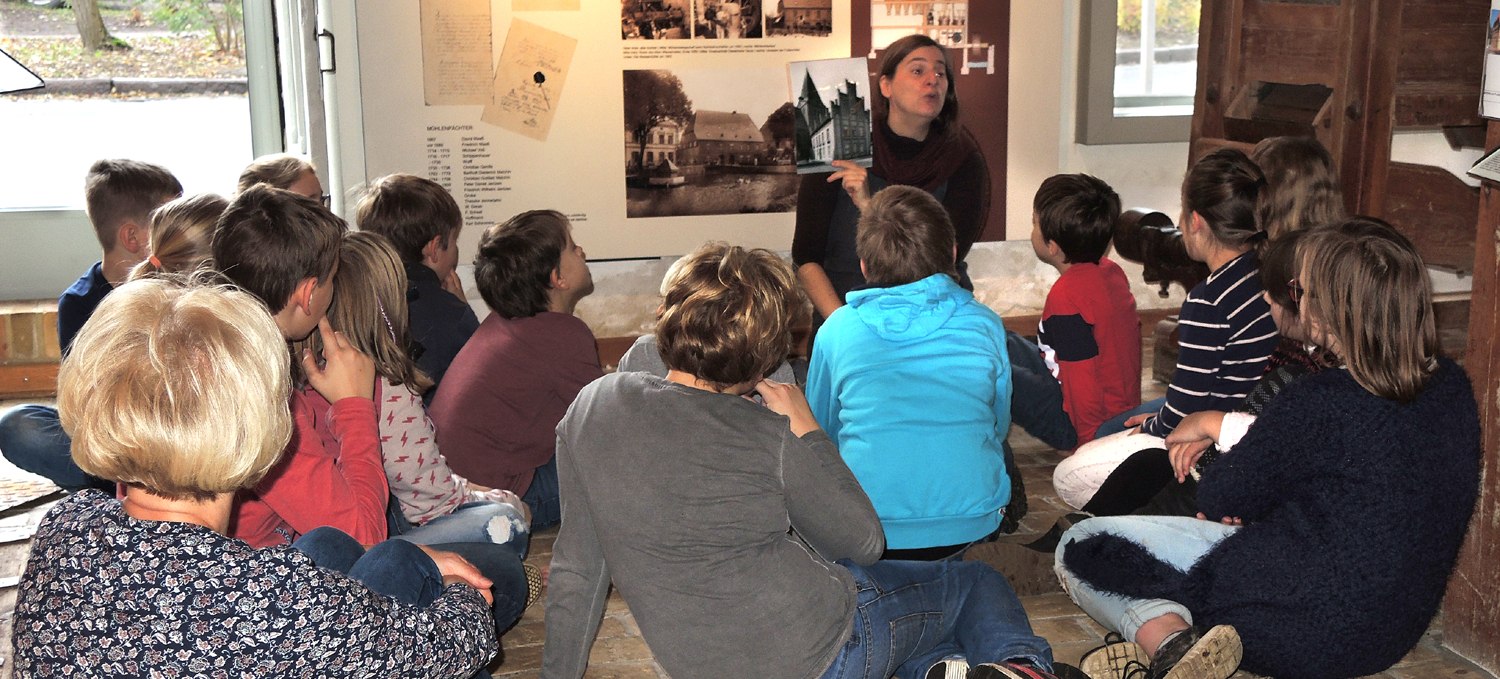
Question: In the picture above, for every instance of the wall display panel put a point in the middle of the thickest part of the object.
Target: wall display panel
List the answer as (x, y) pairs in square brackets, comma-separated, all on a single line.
[(654, 124)]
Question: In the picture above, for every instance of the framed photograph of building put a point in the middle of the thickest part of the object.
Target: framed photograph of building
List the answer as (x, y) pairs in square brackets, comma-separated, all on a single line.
[(707, 142), (832, 102), (799, 17)]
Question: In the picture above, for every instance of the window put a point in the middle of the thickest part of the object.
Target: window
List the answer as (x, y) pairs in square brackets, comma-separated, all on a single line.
[(1138, 70)]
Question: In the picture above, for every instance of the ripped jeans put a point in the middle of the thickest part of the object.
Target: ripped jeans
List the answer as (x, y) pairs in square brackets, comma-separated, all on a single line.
[(492, 522)]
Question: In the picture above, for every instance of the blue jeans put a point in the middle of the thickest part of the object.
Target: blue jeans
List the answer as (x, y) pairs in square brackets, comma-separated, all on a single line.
[(1177, 540), (1036, 402), (493, 522), (393, 568), (544, 497), (911, 614), (1116, 424), (32, 438)]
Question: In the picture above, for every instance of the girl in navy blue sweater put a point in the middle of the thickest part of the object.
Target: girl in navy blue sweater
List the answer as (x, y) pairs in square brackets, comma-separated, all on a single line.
[(1333, 524)]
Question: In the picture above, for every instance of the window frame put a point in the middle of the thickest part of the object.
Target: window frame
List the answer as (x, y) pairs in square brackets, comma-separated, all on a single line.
[(1096, 119)]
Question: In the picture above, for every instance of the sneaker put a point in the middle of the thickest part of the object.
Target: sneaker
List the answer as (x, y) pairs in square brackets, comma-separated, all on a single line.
[(1116, 659), (1195, 654), (533, 583), (949, 668), (1020, 670)]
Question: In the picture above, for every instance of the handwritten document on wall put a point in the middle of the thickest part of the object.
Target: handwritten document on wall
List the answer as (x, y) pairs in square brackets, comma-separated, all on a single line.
[(456, 52), (529, 79)]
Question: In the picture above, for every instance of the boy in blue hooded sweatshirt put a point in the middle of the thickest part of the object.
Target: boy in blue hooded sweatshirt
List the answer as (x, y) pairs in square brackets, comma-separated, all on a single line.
[(912, 381)]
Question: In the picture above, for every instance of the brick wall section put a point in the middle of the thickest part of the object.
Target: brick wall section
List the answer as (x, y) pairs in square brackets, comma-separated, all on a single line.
[(29, 352), (28, 332)]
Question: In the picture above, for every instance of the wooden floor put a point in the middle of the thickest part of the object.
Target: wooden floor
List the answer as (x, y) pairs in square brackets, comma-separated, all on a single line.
[(621, 653)]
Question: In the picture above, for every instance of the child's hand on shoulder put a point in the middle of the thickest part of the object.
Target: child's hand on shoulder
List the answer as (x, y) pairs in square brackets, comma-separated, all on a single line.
[(787, 399), (346, 372)]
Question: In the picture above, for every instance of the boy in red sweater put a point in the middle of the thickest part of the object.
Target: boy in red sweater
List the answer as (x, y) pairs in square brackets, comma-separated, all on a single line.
[(1090, 334)]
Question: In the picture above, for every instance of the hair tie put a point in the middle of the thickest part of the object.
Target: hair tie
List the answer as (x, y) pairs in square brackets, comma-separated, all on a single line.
[(154, 261), (1258, 236)]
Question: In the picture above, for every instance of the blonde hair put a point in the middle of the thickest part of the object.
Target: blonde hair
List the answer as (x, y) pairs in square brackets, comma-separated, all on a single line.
[(1366, 289), (369, 307), (728, 314), (1302, 185), (182, 235), (280, 170), (178, 387)]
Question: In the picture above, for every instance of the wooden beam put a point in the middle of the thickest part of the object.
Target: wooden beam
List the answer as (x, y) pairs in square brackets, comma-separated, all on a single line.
[(1471, 611), (20, 380)]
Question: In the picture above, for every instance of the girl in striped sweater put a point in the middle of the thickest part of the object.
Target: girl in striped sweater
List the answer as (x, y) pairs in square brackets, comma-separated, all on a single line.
[(1225, 331)]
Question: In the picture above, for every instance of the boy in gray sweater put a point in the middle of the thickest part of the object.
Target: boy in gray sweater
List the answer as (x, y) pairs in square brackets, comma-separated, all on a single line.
[(740, 540)]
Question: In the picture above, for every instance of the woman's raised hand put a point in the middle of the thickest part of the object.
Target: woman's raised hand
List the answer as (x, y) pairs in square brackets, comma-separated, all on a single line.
[(855, 179)]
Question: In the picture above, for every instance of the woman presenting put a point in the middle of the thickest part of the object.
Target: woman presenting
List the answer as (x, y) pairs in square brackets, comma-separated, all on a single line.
[(918, 142)]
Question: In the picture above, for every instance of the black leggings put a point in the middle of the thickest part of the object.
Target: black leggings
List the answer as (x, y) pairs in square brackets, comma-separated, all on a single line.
[(1145, 484)]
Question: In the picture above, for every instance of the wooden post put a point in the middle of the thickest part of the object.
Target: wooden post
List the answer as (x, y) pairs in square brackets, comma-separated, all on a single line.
[(1471, 612)]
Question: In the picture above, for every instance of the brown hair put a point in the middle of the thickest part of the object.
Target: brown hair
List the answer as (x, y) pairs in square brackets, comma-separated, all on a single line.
[(410, 211), (1225, 187), (177, 387), (117, 191), (1302, 185), (894, 54), (268, 240), (181, 231), (280, 170), (1367, 290), (728, 314), (514, 265), (1078, 212), (369, 307), (904, 235)]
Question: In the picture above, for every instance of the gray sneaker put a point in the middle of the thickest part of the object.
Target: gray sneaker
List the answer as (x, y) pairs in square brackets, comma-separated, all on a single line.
[(1196, 654)]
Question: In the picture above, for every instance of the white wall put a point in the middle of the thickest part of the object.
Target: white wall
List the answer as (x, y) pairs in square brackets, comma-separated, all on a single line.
[(1043, 95)]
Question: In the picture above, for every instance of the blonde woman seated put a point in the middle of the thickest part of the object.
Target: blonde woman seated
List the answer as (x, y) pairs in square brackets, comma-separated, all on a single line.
[(179, 393)]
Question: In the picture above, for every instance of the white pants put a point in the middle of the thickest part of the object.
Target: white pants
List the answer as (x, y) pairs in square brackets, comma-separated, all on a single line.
[(1079, 476)]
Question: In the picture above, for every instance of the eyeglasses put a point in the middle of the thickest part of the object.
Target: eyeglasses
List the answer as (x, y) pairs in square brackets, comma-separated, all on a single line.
[(1295, 291)]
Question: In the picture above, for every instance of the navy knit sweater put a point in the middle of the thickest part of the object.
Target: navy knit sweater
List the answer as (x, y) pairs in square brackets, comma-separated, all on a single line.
[(1354, 509)]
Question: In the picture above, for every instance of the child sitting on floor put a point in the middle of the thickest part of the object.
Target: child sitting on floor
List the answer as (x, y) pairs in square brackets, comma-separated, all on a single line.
[(1089, 331), (119, 195), (514, 379), (912, 379), (432, 504)]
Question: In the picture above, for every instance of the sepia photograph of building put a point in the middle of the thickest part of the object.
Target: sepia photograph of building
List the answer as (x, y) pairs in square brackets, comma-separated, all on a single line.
[(833, 112), (799, 17), (708, 142)]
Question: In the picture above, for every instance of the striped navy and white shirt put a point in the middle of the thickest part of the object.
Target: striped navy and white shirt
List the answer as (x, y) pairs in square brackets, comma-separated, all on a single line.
[(1225, 339)]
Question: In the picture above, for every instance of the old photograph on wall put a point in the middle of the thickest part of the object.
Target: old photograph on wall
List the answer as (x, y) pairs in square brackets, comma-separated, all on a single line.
[(655, 19), (727, 19), (831, 100), (708, 142), (799, 17)]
